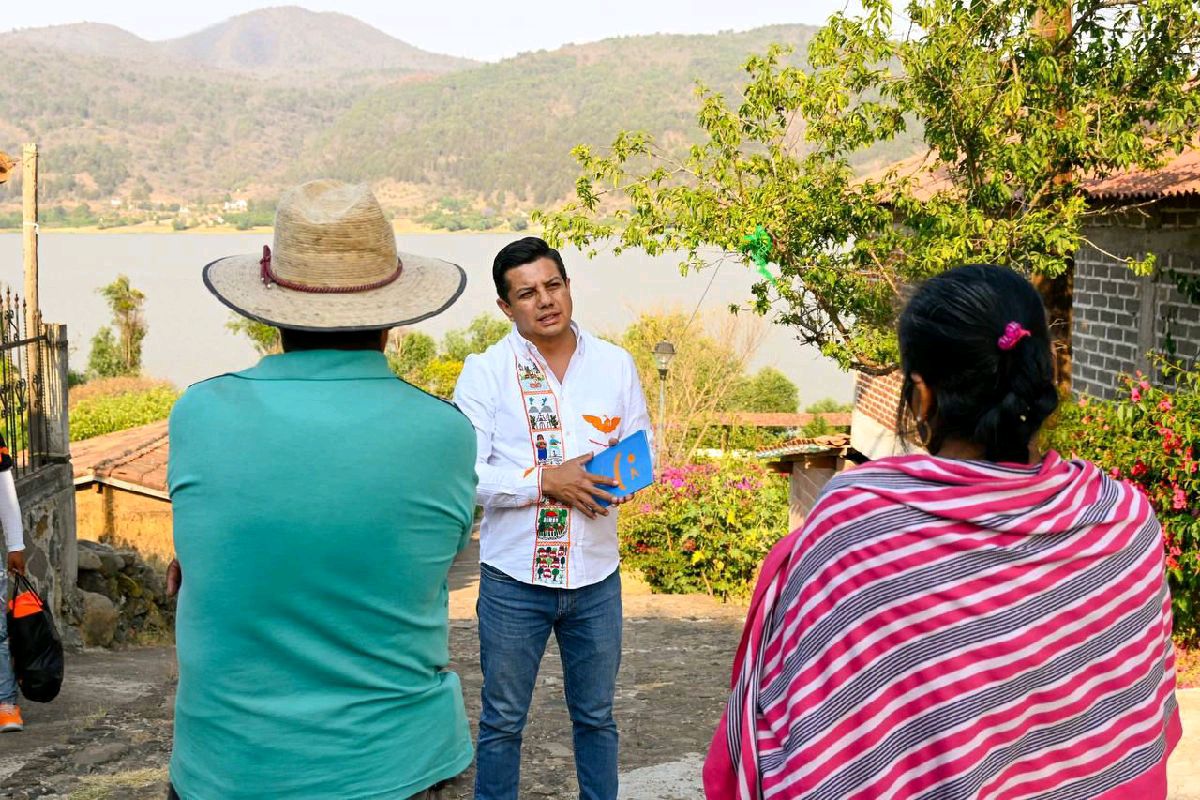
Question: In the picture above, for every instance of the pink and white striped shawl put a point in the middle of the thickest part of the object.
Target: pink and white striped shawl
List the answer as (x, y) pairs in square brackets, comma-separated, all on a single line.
[(946, 629)]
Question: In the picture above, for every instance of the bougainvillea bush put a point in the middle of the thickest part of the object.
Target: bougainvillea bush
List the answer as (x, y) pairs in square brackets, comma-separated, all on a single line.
[(1149, 435), (705, 527)]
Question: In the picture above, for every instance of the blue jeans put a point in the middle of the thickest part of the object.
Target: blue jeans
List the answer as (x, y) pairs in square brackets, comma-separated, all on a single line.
[(8, 681), (515, 620)]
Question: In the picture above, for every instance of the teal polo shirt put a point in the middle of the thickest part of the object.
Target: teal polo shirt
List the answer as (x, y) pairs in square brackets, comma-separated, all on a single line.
[(319, 502)]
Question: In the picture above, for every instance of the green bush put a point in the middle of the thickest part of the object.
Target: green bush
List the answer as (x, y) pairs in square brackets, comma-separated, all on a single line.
[(105, 414), (705, 527), (1149, 436)]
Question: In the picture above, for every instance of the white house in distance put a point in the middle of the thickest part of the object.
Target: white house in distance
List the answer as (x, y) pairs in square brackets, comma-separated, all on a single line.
[(236, 205)]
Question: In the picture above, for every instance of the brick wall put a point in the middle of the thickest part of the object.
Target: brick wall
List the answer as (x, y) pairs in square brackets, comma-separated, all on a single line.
[(1119, 317), (808, 480), (1106, 335), (879, 397)]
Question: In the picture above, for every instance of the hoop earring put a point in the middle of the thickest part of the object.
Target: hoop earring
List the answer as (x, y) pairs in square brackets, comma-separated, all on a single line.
[(924, 433)]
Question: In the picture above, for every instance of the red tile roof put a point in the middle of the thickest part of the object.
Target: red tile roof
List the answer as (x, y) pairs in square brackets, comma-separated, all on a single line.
[(833, 444), (764, 420), (1178, 177), (133, 459)]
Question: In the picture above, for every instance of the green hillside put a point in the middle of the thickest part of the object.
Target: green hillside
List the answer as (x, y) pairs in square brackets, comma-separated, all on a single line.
[(173, 129)]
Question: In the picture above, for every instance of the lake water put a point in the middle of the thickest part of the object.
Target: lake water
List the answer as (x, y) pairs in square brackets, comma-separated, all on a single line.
[(188, 341)]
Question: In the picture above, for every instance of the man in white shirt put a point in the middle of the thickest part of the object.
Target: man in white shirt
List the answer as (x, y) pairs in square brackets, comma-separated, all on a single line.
[(14, 542), (542, 401)]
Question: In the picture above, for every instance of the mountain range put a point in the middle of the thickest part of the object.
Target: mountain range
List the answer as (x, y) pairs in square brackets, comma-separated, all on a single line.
[(272, 97)]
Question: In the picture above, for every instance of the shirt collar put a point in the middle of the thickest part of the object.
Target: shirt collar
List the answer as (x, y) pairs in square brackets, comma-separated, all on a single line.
[(320, 365), (523, 343)]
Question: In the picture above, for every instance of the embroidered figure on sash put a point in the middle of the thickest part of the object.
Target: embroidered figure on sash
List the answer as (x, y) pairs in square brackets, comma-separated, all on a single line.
[(550, 564), (554, 452), (552, 522), (532, 378)]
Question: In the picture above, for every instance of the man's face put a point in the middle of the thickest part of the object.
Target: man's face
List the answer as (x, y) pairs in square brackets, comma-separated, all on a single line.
[(539, 300)]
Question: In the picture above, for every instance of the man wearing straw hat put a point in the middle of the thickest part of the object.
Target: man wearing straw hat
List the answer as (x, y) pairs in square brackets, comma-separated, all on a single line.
[(318, 504)]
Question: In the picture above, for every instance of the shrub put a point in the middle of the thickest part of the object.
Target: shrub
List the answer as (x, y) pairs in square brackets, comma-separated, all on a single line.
[(705, 527), (1149, 436), (101, 413)]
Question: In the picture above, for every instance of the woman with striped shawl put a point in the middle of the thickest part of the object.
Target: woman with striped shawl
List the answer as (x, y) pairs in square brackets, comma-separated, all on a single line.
[(978, 622)]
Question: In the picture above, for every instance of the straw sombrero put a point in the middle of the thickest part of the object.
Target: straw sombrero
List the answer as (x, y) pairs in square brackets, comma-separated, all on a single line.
[(334, 266)]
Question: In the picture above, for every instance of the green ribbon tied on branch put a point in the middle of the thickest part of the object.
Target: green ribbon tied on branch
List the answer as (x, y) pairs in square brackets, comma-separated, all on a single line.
[(757, 246)]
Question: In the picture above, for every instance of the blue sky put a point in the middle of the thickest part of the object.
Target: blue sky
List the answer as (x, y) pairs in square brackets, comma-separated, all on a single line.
[(481, 29)]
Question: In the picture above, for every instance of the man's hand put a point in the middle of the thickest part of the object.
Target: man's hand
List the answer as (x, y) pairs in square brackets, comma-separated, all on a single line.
[(16, 562), (174, 578), (572, 486)]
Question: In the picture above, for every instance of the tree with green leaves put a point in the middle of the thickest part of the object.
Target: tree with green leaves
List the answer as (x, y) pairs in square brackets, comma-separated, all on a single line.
[(1016, 109), (411, 354), (104, 360), (416, 357), (483, 332), (766, 391), (121, 355), (263, 337)]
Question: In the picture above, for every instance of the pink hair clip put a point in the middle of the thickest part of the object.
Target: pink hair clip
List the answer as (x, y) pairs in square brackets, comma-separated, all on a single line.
[(1013, 333)]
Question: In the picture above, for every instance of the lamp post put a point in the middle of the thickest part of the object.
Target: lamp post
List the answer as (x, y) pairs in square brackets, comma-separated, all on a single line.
[(664, 351)]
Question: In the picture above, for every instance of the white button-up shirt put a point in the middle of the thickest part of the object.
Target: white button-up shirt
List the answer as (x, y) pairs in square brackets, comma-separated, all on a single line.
[(600, 397)]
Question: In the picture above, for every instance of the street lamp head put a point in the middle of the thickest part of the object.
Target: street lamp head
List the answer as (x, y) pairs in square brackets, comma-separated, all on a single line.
[(664, 351)]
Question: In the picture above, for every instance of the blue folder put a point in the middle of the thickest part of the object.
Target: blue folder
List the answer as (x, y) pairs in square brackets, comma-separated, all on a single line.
[(628, 461)]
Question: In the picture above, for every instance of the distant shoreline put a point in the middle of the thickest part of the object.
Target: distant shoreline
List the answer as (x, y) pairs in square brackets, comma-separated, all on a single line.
[(400, 226)]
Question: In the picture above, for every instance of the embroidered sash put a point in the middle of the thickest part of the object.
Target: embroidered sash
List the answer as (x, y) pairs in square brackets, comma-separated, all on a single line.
[(552, 526)]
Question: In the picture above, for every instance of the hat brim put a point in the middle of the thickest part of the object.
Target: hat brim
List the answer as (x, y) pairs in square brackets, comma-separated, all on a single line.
[(426, 287)]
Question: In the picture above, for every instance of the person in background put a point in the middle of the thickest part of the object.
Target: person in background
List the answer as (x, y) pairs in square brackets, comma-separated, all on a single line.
[(548, 547), (977, 621), (318, 504), (14, 541)]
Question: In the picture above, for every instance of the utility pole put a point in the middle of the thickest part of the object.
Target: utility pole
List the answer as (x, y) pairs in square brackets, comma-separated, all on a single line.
[(33, 309), (29, 228)]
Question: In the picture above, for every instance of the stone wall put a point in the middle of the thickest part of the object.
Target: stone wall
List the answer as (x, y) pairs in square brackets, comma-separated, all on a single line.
[(47, 494), (121, 599), (1121, 318), (47, 499)]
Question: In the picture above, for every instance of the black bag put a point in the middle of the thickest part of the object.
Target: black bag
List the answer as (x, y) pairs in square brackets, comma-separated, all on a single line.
[(37, 652)]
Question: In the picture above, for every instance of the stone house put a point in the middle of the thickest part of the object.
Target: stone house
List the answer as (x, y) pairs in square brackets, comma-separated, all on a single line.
[(121, 491)]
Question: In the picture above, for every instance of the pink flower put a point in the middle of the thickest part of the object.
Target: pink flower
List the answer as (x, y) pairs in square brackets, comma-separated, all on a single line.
[(1165, 405), (1179, 500), (1145, 385), (1172, 563), (1115, 472), (1138, 469), (1135, 396), (645, 508), (1083, 402)]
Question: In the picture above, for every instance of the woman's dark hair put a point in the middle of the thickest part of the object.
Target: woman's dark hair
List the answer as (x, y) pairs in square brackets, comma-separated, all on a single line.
[(950, 335), (518, 254)]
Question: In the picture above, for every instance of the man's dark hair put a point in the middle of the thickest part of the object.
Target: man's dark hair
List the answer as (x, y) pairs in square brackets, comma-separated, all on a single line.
[(518, 254), (294, 340), (949, 335)]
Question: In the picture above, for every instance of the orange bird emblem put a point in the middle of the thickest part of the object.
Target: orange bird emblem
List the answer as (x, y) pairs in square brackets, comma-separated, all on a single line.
[(604, 424)]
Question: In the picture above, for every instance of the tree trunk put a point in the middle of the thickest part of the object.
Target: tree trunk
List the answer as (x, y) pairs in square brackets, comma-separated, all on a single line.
[(1058, 296)]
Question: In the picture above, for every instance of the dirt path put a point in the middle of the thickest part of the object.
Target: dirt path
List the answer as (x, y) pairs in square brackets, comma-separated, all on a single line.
[(108, 737)]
